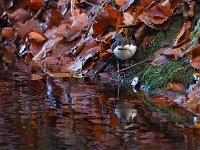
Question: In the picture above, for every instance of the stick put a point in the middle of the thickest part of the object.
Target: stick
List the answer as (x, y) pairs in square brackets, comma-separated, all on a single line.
[(42, 9), (72, 7), (148, 59), (94, 17)]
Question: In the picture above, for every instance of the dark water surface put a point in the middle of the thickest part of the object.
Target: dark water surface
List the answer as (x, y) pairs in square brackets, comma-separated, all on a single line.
[(56, 113)]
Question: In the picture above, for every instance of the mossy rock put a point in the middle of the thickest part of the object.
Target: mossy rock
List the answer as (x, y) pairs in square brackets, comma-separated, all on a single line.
[(155, 77)]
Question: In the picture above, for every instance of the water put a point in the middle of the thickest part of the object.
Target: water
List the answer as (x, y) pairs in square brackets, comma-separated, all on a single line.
[(57, 113)]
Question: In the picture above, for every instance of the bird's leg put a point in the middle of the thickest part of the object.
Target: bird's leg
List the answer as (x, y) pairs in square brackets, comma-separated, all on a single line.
[(132, 62), (117, 61)]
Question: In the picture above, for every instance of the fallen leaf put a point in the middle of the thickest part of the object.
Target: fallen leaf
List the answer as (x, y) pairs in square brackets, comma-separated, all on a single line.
[(35, 4), (177, 87), (37, 37), (24, 29), (53, 18), (8, 33), (61, 75), (20, 16), (184, 34), (120, 2), (89, 51), (128, 18), (159, 60), (195, 62), (127, 4), (107, 17), (80, 21), (37, 76)]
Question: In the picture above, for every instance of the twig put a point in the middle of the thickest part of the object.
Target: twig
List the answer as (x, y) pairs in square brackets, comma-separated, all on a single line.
[(95, 15), (148, 59), (72, 7), (42, 9)]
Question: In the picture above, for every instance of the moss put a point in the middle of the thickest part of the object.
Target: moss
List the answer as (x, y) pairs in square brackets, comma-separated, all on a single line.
[(160, 40), (156, 77), (171, 113)]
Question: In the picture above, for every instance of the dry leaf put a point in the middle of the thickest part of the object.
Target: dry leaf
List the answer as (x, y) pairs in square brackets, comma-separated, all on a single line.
[(37, 37)]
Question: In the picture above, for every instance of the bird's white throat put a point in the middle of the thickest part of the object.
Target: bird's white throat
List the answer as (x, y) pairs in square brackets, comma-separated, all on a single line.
[(125, 52)]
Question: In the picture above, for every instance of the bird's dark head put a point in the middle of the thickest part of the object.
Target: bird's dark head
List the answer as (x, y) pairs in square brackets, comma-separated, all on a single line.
[(119, 36), (124, 47)]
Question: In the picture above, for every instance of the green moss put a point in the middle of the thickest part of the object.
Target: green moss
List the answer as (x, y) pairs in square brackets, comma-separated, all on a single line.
[(156, 77), (171, 114), (160, 40)]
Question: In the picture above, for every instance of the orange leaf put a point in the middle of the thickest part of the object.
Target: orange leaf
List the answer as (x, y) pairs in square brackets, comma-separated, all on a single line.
[(8, 33), (108, 17), (120, 2), (177, 87), (37, 36), (35, 4), (183, 34)]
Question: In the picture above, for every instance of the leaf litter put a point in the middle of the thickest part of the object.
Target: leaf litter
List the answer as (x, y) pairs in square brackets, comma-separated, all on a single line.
[(76, 36)]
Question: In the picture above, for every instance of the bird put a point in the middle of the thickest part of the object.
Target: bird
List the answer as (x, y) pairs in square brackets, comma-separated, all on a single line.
[(124, 47)]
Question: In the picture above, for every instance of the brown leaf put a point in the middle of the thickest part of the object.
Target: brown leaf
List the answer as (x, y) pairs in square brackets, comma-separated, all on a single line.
[(194, 50), (53, 18), (108, 17), (8, 33), (47, 47), (37, 76), (156, 14), (20, 16), (89, 51), (128, 18), (140, 33), (184, 34), (29, 26), (146, 41), (80, 21), (177, 87), (37, 37), (35, 4), (120, 2), (63, 6), (160, 100), (196, 57), (8, 57), (56, 31), (127, 4), (179, 47), (35, 47), (176, 52), (159, 60)]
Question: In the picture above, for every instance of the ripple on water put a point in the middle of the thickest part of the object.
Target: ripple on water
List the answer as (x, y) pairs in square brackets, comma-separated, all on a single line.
[(57, 113)]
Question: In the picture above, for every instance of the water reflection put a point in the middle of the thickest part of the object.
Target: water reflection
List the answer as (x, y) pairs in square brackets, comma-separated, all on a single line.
[(56, 113)]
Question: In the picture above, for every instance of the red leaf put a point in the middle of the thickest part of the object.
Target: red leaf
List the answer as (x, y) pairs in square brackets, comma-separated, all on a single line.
[(108, 17), (35, 4)]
